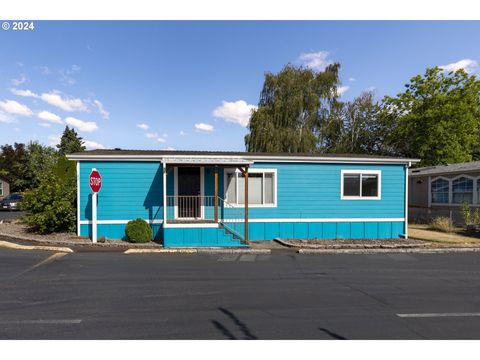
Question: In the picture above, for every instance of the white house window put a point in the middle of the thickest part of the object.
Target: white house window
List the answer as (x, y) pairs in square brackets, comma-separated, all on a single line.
[(440, 191), (462, 190), (1, 188), (261, 187), (360, 184)]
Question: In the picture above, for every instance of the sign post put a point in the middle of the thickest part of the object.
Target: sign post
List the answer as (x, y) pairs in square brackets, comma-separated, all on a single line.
[(95, 185)]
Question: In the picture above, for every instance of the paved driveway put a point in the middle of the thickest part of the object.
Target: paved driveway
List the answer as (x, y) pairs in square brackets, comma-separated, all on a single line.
[(278, 296), (10, 214)]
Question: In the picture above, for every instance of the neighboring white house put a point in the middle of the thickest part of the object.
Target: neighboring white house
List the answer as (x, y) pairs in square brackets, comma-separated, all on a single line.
[(4, 187)]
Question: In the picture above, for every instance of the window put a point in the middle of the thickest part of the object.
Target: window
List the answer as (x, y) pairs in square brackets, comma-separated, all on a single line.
[(1, 188), (261, 187), (361, 184), (440, 191), (462, 190)]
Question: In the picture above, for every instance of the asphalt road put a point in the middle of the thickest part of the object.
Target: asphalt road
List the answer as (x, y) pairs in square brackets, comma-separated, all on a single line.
[(10, 214), (279, 296)]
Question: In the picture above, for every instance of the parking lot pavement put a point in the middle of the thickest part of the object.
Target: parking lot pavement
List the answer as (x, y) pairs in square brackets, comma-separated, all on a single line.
[(5, 215), (235, 296)]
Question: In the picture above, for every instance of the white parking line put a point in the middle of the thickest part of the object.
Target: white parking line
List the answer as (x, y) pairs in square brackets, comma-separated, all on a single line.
[(431, 315), (40, 322)]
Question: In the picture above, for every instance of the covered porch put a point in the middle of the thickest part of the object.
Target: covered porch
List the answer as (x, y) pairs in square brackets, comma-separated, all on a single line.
[(196, 202)]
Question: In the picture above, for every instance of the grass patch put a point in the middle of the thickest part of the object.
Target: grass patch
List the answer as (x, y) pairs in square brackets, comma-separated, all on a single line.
[(456, 236)]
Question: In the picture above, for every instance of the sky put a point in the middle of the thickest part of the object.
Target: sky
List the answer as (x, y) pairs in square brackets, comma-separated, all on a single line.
[(191, 85)]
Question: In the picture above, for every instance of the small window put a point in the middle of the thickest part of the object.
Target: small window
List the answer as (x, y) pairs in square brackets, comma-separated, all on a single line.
[(261, 187), (440, 191), (1, 188), (360, 184), (462, 190)]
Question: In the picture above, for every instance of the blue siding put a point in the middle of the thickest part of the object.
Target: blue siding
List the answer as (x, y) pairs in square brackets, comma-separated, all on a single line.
[(129, 190), (134, 190)]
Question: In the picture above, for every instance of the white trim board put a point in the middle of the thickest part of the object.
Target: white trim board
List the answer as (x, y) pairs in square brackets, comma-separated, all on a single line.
[(279, 220)]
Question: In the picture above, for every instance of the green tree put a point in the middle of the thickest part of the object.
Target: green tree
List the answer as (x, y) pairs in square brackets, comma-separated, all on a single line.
[(10, 159), (292, 109), (353, 126), (28, 171), (70, 142), (436, 118)]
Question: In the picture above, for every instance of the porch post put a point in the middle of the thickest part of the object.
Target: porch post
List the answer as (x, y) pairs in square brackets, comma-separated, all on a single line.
[(164, 165), (216, 193), (246, 204)]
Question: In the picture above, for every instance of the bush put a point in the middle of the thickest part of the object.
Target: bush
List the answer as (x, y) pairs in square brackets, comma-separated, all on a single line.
[(50, 207), (138, 231), (443, 224), (466, 214)]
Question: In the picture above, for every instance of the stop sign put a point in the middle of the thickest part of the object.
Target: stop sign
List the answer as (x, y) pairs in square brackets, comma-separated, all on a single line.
[(95, 181)]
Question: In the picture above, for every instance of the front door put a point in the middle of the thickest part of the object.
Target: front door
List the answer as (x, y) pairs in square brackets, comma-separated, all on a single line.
[(189, 192)]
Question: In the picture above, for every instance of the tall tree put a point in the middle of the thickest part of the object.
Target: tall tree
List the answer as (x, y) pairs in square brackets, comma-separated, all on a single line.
[(293, 106), (10, 158), (353, 126), (437, 118), (70, 142)]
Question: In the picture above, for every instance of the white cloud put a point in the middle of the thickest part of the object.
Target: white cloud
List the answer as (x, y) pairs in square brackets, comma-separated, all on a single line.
[(53, 140), (315, 60), (352, 79), (45, 124), (204, 127), (25, 93), (20, 80), (143, 126), (169, 148), (237, 112), (467, 64), (92, 145), (84, 126), (182, 133), (101, 109), (156, 137), (66, 74), (65, 103), (151, 135), (51, 117), (15, 108), (5, 118), (342, 90)]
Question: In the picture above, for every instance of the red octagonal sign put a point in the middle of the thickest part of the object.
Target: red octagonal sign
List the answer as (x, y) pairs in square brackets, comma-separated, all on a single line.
[(95, 181)]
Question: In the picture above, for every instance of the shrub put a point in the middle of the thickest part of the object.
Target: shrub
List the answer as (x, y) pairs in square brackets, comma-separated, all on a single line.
[(466, 214), (441, 223), (50, 207), (138, 231), (476, 217)]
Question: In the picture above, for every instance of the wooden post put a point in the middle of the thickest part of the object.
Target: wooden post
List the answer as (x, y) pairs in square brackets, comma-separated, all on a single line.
[(216, 193), (246, 203)]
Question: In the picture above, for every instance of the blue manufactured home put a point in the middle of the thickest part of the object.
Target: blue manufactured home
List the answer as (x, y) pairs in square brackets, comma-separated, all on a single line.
[(194, 198)]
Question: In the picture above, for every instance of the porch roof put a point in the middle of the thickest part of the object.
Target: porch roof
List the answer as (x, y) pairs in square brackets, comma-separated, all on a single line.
[(219, 161)]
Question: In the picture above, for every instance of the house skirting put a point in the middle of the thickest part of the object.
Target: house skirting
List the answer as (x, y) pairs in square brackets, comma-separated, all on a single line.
[(208, 235)]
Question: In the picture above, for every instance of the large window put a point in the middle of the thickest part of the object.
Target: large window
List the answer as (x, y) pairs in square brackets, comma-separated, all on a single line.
[(361, 184), (440, 191), (261, 187), (462, 190)]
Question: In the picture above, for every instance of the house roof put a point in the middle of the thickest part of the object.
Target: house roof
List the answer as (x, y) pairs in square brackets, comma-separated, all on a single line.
[(228, 156), (446, 169)]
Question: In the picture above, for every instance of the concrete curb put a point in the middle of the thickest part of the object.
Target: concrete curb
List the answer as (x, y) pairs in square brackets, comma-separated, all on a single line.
[(197, 251), (160, 251), (386, 251), (9, 245)]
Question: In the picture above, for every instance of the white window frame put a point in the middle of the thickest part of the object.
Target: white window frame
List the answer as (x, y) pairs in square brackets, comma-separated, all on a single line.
[(476, 199), (361, 172), (251, 171), (474, 188)]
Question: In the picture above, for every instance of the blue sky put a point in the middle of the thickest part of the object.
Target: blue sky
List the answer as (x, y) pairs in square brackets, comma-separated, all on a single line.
[(191, 85)]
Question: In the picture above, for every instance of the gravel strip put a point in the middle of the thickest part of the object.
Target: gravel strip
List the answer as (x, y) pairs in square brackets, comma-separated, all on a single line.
[(353, 244)]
